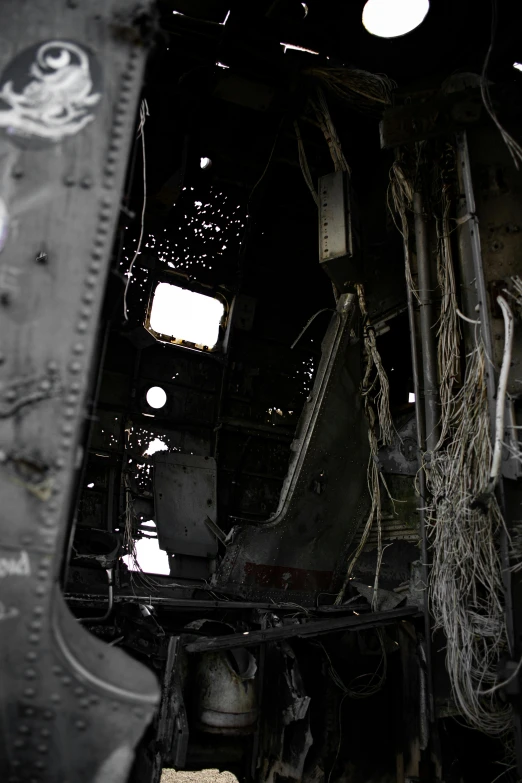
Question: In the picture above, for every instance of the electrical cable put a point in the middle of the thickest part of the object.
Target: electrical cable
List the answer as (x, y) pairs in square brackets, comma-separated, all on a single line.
[(376, 395), (361, 89), (144, 113), (448, 333), (303, 162), (269, 159), (312, 319), (513, 146), (501, 393), (465, 582)]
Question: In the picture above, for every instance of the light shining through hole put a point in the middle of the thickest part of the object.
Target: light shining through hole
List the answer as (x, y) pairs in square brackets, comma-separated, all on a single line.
[(156, 397), (151, 559), (155, 445), (186, 315), (391, 18), (411, 397), (206, 163)]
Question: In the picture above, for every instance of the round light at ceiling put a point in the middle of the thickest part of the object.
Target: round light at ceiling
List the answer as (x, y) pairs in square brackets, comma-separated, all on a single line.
[(205, 163), (156, 397), (391, 18)]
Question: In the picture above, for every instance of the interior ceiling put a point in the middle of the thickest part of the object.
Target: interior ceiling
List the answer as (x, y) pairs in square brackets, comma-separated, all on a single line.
[(234, 115), (454, 35), (242, 118)]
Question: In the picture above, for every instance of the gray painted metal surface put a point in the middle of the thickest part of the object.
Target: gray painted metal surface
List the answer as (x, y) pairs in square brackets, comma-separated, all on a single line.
[(70, 81), (324, 497), (338, 242), (184, 496)]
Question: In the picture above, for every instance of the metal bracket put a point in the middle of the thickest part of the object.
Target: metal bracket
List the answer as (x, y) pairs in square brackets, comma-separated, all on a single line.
[(338, 240)]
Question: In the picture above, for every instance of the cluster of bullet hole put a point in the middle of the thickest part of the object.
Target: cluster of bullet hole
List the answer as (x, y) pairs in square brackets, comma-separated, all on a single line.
[(144, 442), (110, 439), (203, 230), (277, 416), (305, 374)]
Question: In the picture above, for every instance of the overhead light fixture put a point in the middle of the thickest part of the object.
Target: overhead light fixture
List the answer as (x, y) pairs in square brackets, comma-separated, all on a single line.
[(156, 397), (391, 18)]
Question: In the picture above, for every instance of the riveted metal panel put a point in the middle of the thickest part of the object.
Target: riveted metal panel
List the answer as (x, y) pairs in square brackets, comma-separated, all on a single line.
[(184, 496), (70, 79), (337, 238)]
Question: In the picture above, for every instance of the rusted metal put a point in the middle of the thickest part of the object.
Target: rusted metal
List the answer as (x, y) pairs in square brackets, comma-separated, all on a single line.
[(307, 629)]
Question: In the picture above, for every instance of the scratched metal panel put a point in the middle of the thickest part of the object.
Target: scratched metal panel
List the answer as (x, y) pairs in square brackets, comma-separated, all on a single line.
[(184, 496), (302, 547), (71, 708)]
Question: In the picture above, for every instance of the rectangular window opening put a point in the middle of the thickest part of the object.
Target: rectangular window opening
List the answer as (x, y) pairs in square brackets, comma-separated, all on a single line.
[(186, 316)]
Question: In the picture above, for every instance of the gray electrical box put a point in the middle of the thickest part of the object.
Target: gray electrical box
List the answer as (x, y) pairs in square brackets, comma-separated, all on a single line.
[(184, 496), (338, 236)]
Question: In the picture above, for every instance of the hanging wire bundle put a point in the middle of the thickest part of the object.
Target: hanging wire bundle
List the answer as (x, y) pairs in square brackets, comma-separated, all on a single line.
[(466, 583), (376, 395), (375, 385), (361, 89), (303, 162), (329, 131), (463, 518), (402, 196), (129, 540), (513, 146), (448, 335), (363, 685)]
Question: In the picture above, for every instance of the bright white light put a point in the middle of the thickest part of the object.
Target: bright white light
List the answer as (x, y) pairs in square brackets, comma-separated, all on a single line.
[(91, 485), (150, 557), (222, 65), (225, 20), (186, 315), (206, 163), (391, 18), (156, 397), (156, 444), (518, 66), (297, 48), (411, 397)]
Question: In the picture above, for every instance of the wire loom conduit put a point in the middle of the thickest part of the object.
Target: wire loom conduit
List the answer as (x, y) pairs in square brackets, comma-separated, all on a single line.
[(427, 334)]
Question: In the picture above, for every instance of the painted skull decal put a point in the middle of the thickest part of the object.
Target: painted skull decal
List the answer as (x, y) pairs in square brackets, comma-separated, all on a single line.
[(49, 92)]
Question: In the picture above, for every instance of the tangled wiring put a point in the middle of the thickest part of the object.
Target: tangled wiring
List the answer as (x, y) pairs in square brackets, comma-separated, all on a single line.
[(463, 518)]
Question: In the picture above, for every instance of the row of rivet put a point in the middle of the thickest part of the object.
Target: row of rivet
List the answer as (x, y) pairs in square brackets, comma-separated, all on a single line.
[(49, 519)]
